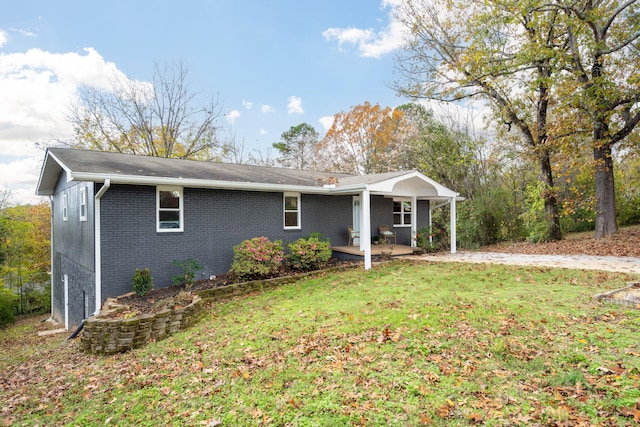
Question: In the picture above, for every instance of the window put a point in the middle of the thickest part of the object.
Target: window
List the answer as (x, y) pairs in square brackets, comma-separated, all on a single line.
[(83, 204), (169, 203), (401, 212), (65, 209), (291, 210)]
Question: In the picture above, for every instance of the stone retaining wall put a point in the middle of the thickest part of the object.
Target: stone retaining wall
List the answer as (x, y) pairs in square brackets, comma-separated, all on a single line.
[(628, 301), (106, 336)]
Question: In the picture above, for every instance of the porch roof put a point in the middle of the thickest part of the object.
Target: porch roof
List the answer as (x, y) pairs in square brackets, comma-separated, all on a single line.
[(97, 166)]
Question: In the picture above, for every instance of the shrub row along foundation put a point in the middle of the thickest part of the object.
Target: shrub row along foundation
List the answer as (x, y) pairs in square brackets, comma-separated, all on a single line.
[(106, 336)]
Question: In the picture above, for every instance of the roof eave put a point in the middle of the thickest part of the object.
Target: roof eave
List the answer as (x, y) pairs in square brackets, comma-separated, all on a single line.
[(48, 178), (196, 183)]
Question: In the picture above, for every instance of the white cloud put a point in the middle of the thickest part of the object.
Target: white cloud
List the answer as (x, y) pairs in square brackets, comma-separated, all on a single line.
[(267, 109), (232, 116), (20, 176), (326, 122), (37, 89), (3, 38), (263, 132), (371, 43), (295, 105), (247, 104)]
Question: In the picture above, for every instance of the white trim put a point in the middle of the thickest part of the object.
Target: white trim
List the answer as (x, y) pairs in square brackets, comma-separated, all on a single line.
[(402, 212), (180, 209), (83, 203), (365, 227), (414, 221), (298, 211), (98, 244), (384, 187), (452, 223)]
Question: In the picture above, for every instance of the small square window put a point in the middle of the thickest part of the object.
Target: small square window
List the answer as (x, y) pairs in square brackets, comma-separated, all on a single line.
[(291, 210), (169, 209), (401, 213)]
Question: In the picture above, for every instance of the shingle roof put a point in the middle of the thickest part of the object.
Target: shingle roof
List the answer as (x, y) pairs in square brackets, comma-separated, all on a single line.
[(109, 164), (98, 166)]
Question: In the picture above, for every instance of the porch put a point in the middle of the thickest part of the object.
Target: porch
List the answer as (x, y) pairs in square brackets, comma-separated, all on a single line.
[(378, 250)]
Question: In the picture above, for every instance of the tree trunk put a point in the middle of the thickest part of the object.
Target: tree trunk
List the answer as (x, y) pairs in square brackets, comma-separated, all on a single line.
[(552, 217), (605, 190)]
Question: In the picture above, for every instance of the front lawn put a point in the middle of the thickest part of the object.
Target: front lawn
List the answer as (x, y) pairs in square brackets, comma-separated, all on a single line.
[(404, 344)]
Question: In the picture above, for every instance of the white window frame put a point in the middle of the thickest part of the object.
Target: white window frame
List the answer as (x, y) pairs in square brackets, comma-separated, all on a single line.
[(83, 203), (65, 208), (403, 212), (298, 225), (180, 209)]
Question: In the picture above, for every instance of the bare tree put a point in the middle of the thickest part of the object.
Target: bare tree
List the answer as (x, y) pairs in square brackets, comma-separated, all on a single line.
[(154, 119)]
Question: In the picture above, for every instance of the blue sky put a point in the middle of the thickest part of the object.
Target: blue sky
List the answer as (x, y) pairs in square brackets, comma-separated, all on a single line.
[(273, 64)]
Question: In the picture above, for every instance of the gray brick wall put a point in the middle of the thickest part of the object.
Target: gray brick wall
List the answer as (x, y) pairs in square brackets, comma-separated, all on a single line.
[(214, 222)]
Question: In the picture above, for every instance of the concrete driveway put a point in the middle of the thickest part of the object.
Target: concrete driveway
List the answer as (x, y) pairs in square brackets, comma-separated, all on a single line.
[(579, 262)]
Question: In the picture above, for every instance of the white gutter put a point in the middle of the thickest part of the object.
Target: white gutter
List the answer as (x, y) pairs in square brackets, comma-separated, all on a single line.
[(200, 183), (98, 248)]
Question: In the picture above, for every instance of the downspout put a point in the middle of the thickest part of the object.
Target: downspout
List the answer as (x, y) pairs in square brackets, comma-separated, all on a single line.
[(51, 240), (96, 236)]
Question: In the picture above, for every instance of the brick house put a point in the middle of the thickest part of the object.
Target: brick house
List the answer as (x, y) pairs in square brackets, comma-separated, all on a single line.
[(113, 213)]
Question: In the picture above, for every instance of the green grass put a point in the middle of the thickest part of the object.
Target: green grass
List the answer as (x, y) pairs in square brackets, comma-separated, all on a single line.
[(404, 344)]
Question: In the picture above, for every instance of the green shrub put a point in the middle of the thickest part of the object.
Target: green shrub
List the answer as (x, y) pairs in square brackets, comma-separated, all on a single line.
[(190, 268), (257, 258), (309, 253), (142, 281), (8, 302), (432, 239)]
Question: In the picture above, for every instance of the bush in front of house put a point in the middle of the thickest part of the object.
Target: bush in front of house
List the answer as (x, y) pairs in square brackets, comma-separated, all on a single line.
[(190, 268), (431, 239), (309, 253), (257, 258), (142, 281)]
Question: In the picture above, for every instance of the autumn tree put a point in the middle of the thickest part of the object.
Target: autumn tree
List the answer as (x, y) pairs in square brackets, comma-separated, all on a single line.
[(602, 59), (298, 146), (25, 253), (362, 141), (158, 119), (498, 51)]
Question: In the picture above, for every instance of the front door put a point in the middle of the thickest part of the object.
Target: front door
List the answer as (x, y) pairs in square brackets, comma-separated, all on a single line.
[(356, 218)]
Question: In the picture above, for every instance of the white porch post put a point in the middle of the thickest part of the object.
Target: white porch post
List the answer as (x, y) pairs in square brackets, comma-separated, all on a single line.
[(430, 222), (365, 228), (414, 220), (452, 208)]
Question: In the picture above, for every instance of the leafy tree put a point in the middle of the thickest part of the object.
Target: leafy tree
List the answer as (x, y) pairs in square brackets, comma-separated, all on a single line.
[(362, 141), (500, 51), (445, 152), (24, 245), (157, 119), (602, 58), (298, 146)]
